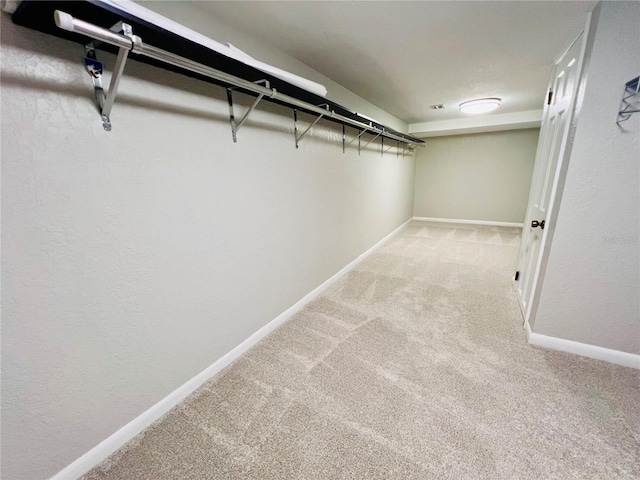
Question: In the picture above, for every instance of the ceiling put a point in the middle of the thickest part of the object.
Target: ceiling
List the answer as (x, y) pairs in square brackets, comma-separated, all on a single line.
[(405, 57)]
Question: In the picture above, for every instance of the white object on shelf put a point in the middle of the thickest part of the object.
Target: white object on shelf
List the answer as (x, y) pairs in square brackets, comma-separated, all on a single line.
[(227, 50)]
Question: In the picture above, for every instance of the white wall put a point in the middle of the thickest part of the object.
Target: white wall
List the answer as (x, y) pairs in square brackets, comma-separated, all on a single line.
[(481, 176), (591, 289), (134, 259)]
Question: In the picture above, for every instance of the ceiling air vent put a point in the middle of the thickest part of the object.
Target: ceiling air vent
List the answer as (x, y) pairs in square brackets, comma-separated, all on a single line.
[(437, 107)]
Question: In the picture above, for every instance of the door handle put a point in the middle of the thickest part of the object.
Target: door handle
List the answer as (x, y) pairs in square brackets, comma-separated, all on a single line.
[(536, 223)]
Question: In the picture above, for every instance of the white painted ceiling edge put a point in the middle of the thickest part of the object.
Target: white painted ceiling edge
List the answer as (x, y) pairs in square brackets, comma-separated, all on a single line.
[(478, 124)]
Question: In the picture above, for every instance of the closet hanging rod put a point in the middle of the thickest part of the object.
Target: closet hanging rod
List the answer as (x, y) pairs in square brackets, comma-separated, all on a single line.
[(136, 45)]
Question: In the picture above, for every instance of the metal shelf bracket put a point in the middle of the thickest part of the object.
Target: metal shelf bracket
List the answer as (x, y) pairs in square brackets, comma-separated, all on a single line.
[(407, 148), (352, 140), (365, 145), (94, 69), (390, 147), (295, 124), (630, 100), (235, 126)]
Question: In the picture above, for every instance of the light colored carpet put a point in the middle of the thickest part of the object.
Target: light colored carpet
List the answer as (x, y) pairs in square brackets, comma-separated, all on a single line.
[(413, 366)]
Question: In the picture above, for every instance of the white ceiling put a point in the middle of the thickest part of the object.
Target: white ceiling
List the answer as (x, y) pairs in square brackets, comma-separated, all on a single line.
[(406, 56)]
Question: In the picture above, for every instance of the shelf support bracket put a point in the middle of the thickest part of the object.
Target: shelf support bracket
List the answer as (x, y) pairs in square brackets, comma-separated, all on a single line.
[(356, 138), (295, 125), (94, 68), (389, 148), (630, 103), (353, 140), (365, 145), (235, 126), (407, 149)]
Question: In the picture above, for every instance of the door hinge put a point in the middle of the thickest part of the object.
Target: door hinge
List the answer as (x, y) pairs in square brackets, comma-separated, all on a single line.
[(550, 97), (517, 276)]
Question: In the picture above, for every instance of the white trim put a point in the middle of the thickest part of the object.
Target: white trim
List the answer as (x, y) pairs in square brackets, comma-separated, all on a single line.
[(592, 351), (105, 448), (477, 124), (468, 222)]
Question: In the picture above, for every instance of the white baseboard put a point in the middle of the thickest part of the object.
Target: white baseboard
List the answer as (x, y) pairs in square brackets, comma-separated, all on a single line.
[(528, 330), (469, 222), (105, 448), (592, 351)]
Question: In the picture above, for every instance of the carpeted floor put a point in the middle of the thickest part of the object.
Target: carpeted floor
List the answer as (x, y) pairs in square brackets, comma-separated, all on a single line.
[(412, 366)]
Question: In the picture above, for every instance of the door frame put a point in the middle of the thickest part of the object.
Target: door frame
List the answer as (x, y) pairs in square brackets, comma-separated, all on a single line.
[(560, 175)]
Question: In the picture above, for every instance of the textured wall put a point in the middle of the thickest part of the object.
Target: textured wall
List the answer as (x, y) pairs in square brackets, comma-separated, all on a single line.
[(132, 260), (591, 289), (482, 176)]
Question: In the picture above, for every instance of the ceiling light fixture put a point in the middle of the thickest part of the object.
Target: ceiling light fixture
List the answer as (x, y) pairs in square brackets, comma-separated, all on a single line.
[(481, 105)]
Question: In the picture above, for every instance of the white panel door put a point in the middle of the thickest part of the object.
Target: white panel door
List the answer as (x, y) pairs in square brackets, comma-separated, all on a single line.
[(551, 148)]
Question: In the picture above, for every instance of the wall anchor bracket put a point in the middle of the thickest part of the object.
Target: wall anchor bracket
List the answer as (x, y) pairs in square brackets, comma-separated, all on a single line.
[(235, 126), (94, 69), (295, 125), (390, 147), (630, 100), (379, 133), (407, 149), (353, 140)]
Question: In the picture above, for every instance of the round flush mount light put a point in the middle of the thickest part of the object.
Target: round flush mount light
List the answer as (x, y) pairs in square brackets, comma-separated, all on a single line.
[(481, 105)]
